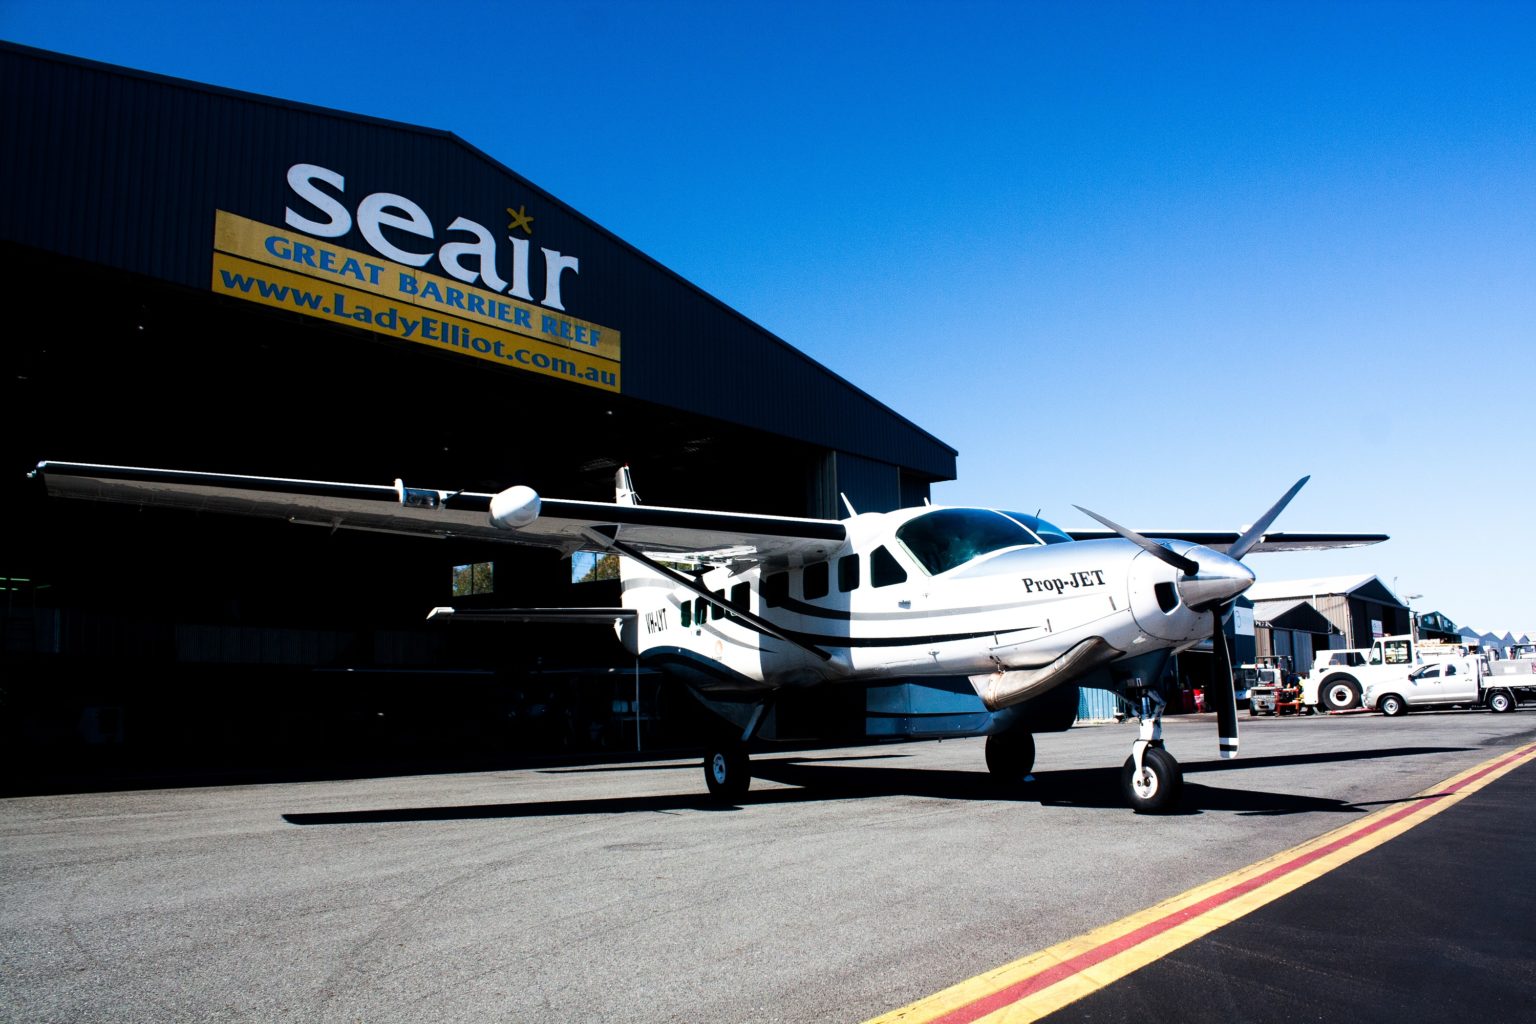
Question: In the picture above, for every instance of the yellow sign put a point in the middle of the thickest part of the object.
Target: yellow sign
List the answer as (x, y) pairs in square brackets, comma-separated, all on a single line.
[(278, 267), (269, 286)]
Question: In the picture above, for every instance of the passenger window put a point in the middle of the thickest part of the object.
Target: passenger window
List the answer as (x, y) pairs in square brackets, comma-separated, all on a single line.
[(685, 614), (775, 589), (700, 610), (1450, 670), (717, 610), (814, 580), (740, 597), (884, 570), (848, 573)]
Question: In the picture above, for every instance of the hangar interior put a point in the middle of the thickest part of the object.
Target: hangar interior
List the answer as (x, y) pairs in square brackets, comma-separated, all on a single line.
[(213, 639)]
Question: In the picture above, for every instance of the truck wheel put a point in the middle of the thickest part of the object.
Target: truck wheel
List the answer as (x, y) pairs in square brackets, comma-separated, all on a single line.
[(1501, 701), (1340, 693), (1391, 705)]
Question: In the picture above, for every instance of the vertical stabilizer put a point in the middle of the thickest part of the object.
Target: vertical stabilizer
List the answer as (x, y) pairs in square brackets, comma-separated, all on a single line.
[(644, 588), (624, 488)]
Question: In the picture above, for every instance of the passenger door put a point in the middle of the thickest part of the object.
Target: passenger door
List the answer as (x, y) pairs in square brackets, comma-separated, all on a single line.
[(1459, 681), (1425, 685)]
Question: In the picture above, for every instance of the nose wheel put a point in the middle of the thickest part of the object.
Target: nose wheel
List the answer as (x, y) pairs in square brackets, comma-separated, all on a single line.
[(1151, 778)]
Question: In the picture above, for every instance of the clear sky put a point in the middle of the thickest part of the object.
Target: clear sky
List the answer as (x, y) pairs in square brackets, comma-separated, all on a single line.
[(1156, 259)]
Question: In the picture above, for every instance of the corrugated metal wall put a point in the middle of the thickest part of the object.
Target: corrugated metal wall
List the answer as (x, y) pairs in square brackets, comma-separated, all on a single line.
[(127, 169), (1096, 705)]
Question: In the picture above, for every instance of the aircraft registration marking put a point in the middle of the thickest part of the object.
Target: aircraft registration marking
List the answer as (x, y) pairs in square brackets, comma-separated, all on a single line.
[(1044, 982)]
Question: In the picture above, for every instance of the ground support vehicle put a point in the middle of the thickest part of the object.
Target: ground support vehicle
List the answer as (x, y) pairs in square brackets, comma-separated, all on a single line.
[(1340, 678), (1275, 699), (1451, 682)]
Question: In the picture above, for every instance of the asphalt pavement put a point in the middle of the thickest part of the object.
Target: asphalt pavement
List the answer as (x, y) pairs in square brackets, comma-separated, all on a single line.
[(848, 882)]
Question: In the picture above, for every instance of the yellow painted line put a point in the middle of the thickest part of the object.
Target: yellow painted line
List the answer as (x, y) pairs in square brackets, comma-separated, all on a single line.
[(1039, 984)]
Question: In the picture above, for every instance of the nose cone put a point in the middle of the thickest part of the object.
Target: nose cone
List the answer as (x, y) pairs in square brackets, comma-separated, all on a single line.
[(1220, 579)]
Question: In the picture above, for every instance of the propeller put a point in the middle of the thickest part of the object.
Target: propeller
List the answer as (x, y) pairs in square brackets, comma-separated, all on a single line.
[(1214, 590), (1221, 687)]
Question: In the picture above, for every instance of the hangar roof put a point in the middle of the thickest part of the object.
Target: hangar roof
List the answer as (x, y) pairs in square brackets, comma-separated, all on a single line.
[(287, 204), (1320, 586)]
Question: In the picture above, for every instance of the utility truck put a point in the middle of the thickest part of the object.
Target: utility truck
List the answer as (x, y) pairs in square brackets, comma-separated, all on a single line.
[(1339, 678), (1458, 681)]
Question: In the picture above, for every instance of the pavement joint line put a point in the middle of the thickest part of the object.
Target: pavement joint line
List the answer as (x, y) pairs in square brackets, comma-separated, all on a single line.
[(1045, 981)]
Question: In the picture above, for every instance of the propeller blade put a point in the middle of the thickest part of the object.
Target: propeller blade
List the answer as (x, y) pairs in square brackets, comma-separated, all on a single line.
[(1221, 690), (1255, 533), (1187, 566)]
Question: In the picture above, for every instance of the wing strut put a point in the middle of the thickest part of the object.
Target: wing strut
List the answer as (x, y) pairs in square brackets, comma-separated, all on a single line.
[(746, 618)]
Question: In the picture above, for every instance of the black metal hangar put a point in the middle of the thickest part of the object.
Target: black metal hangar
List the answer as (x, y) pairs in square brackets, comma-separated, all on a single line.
[(206, 279)]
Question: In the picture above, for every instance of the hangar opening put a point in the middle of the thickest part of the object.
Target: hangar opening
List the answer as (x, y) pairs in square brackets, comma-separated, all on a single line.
[(229, 282)]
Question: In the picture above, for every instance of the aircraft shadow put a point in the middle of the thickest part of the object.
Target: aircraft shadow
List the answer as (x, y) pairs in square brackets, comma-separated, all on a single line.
[(693, 766), (819, 780), (1286, 760)]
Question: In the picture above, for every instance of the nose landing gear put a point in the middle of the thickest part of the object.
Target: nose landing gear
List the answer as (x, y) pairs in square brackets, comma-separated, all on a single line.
[(1151, 778)]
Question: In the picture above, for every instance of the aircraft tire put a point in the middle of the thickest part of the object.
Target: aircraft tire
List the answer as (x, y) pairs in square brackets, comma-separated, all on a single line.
[(1392, 705), (1160, 790), (1339, 693), (727, 771), (1010, 756), (1500, 701)]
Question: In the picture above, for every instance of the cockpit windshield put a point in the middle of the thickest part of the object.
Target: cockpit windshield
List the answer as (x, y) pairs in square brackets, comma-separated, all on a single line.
[(1048, 532), (947, 537)]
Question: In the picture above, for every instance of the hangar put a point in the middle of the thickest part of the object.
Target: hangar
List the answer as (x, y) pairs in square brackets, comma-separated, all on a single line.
[(225, 281)]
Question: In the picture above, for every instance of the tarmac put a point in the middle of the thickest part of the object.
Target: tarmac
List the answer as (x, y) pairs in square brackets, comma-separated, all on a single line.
[(848, 884)]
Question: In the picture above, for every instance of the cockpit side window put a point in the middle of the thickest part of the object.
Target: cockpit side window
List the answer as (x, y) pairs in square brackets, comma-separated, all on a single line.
[(884, 570), (948, 537)]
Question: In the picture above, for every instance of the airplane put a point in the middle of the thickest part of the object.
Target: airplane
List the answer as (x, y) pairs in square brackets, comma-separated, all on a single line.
[(751, 612)]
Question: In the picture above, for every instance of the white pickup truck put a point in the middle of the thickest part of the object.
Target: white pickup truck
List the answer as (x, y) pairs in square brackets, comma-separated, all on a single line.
[(1449, 682), (1340, 679)]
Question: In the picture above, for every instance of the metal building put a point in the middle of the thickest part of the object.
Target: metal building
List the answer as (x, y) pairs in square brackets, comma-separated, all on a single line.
[(1360, 608), (232, 282)]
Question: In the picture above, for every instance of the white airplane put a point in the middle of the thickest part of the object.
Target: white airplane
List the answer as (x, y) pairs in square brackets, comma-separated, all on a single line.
[(769, 606)]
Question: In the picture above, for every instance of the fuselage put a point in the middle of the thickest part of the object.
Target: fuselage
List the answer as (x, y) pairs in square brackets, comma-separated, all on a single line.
[(930, 591)]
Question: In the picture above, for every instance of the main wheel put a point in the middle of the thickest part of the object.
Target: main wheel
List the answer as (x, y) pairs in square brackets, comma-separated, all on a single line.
[(1160, 783), (1391, 705), (1010, 756), (1340, 694), (1501, 701), (727, 771)]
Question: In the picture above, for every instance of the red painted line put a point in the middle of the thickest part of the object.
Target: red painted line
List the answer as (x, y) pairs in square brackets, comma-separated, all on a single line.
[(1067, 968)]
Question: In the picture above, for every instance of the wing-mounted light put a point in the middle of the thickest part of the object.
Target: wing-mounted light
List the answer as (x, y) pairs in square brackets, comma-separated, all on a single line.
[(515, 507), (418, 497)]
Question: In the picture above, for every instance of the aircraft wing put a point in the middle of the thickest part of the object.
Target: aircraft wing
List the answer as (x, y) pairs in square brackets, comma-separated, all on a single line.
[(1221, 540), (668, 533)]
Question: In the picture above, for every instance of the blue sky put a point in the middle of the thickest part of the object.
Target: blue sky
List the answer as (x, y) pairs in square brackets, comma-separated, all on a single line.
[(1159, 260)]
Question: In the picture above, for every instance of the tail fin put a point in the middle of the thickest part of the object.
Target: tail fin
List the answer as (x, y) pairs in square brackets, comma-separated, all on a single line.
[(624, 488), (640, 582)]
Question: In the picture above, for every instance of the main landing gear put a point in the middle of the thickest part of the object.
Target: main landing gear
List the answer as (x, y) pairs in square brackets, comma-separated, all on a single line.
[(727, 771), (1011, 756), (1151, 778), (727, 768)]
